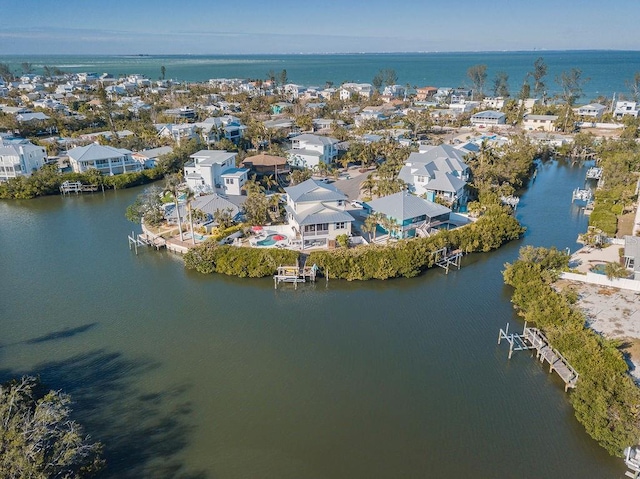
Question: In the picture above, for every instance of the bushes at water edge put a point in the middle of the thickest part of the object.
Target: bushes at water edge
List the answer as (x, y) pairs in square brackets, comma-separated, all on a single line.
[(606, 400), (408, 258), (238, 261)]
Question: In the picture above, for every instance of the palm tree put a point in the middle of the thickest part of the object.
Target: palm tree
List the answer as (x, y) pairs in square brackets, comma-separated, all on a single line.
[(615, 270), (269, 182), (389, 224), (173, 185), (188, 192), (369, 184), (370, 225)]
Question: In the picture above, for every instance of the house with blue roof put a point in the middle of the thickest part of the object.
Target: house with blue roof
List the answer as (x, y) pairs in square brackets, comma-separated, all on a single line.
[(413, 215), (316, 213)]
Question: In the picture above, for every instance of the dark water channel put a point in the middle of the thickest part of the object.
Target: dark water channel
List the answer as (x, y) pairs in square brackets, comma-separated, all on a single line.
[(183, 375)]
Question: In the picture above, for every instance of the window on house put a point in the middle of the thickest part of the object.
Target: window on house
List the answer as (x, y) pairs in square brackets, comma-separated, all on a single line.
[(310, 228), (341, 225), (340, 202)]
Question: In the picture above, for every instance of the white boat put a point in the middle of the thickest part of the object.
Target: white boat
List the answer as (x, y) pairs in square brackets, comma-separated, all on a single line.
[(632, 460)]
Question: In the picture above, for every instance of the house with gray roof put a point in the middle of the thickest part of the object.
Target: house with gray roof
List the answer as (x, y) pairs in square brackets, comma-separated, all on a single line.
[(308, 151), (106, 159), (204, 173), (488, 118), (149, 158), (19, 158), (316, 213), (208, 204), (411, 213), (437, 171)]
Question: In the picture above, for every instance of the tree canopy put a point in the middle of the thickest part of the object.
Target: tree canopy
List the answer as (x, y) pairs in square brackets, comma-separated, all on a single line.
[(38, 439)]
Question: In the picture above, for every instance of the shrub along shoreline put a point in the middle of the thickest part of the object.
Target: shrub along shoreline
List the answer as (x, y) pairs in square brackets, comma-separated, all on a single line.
[(406, 258), (606, 401)]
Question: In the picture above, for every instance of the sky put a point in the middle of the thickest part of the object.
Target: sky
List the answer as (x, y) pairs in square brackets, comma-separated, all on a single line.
[(330, 26)]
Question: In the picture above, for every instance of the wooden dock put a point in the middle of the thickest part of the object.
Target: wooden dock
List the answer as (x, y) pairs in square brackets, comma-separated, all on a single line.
[(534, 339), (445, 258), (295, 274), (76, 187), (145, 239)]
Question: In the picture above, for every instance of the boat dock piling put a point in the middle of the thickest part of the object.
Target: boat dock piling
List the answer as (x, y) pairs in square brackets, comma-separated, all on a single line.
[(76, 187), (296, 274), (445, 259), (533, 338), (145, 240)]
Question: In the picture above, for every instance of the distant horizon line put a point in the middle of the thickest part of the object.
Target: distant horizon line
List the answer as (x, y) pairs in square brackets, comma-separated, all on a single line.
[(413, 52)]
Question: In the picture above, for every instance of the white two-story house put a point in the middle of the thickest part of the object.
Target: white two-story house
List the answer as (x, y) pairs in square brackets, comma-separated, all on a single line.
[(437, 172), (20, 158), (106, 159), (316, 212), (626, 108), (308, 151), (205, 174)]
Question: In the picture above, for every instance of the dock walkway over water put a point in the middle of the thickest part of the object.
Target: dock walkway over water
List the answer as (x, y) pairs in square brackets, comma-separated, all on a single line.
[(76, 187), (533, 338)]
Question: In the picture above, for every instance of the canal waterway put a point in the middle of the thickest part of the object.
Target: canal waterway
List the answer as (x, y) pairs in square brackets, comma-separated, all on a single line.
[(184, 375)]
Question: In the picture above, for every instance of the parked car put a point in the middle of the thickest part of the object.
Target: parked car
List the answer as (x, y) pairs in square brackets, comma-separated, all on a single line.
[(357, 204)]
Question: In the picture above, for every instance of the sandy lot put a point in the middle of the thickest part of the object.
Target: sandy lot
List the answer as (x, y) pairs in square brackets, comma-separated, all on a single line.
[(614, 313)]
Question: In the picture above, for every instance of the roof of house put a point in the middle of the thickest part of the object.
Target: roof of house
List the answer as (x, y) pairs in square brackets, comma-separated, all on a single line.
[(209, 157), (445, 182), (94, 152), (315, 139), (528, 116), (488, 115), (154, 152), (312, 190), (236, 172), (403, 206), (320, 214), (265, 160)]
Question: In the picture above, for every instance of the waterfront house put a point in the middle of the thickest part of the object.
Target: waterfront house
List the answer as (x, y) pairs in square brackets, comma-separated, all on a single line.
[(106, 159), (539, 122), (423, 93), (149, 158), (488, 118), (316, 213), (592, 110), (364, 90), (209, 205), (19, 157), (625, 108), (309, 150), (204, 173), (413, 215), (437, 171)]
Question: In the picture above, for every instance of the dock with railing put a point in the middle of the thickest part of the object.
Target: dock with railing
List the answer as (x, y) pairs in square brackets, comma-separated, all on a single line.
[(296, 274), (76, 187), (534, 339)]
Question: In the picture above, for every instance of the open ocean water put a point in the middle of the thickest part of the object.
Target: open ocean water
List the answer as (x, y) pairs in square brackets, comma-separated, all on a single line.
[(608, 72)]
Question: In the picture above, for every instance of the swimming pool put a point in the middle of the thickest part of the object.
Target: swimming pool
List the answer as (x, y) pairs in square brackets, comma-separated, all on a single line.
[(446, 226), (598, 268), (271, 239)]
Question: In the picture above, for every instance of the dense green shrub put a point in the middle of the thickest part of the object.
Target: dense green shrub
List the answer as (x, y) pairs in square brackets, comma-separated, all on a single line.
[(238, 261), (408, 258), (47, 181), (606, 400), (604, 219)]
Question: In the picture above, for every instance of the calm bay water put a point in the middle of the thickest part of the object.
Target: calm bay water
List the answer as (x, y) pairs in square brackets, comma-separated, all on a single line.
[(607, 71), (184, 375)]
